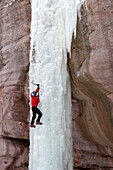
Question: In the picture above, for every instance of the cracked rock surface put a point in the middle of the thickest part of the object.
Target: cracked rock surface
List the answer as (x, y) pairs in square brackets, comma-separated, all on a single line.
[(14, 99)]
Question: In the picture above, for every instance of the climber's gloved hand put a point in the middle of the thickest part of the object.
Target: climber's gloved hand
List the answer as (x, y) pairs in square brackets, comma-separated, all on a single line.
[(38, 85)]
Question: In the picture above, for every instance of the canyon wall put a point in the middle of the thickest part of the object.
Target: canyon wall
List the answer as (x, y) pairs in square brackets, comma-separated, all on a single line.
[(14, 96), (91, 70), (91, 74)]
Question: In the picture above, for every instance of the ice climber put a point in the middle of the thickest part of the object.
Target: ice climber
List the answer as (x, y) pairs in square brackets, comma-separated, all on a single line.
[(34, 103)]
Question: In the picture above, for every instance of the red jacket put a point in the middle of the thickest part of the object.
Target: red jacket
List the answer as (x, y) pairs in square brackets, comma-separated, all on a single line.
[(34, 99)]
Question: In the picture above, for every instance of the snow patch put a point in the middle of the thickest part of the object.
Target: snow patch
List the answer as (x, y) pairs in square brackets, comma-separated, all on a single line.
[(9, 4), (77, 73)]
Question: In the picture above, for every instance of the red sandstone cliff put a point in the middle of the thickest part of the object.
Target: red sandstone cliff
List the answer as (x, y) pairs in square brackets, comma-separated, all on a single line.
[(91, 69), (14, 65)]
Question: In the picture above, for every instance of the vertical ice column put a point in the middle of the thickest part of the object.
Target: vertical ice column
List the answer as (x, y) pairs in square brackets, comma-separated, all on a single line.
[(53, 23)]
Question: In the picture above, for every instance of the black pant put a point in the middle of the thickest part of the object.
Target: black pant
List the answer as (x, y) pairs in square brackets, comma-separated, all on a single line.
[(36, 110)]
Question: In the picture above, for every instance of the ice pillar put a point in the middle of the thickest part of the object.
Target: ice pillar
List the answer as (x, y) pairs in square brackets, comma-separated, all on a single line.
[(52, 25)]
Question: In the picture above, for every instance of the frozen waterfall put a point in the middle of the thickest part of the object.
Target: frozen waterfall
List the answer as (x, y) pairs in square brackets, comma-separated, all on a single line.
[(52, 25)]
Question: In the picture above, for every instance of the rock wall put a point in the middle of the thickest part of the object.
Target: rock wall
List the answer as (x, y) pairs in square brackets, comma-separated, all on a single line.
[(91, 70), (14, 100)]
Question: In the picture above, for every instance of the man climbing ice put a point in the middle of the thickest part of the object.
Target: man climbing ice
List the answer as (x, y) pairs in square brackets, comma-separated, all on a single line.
[(34, 103)]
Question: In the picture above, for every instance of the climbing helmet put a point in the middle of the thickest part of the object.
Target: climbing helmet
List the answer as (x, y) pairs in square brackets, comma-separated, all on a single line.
[(33, 93)]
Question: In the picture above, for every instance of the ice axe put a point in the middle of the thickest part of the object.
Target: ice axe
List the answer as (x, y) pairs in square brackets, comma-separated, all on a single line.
[(37, 86)]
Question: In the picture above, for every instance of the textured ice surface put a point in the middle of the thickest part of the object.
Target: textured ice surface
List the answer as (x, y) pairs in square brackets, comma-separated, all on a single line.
[(52, 26)]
